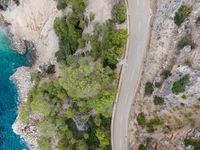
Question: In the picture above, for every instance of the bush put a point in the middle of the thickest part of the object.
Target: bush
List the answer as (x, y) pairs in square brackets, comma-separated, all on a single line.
[(198, 21), (23, 113), (158, 100), (151, 124), (141, 119), (179, 86), (119, 12), (166, 73), (50, 69), (44, 143), (192, 142), (182, 14), (148, 89), (92, 17), (183, 42), (142, 147), (62, 4)]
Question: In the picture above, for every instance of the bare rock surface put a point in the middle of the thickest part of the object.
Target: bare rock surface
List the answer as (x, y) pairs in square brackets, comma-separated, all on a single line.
[(179, 111), (33, 21)]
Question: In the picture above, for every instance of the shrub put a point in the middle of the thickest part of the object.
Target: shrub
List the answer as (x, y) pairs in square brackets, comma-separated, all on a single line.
[(141, 119), (23, 113), (50, 69), (148, 89), (44, 143), (151, 124), (179, 86), (92, 16), (183, 42), (166, 73), (158, 100), (158, 84), (62, 4), (192, 142), (142, 147), (119, 12), (182, 14), (198, 21), (183, 97)]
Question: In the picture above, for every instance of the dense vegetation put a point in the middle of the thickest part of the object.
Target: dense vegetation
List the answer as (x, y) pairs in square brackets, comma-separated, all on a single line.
[(84, 92), (183, 42), (119, 12), (195, 143), (182, 14), (142, 147), (165, 74), (148, 89), (179, 86), (149, 125), (158, 100)]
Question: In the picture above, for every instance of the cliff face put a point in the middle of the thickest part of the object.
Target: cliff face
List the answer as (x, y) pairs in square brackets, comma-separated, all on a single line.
[(33, 21), (167, 64)]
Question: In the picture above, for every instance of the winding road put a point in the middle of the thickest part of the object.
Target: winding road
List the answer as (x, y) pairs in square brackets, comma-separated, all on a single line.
[(139, 14)]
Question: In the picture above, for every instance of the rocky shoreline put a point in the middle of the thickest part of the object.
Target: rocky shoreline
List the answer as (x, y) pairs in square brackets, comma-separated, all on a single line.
[(22, 80), (25, 33)]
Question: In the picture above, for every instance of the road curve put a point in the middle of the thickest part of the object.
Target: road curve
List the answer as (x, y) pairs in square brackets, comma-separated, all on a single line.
[(139, 14)]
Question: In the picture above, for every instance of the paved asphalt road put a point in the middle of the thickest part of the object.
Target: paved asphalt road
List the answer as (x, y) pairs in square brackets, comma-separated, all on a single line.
[(139, 30)]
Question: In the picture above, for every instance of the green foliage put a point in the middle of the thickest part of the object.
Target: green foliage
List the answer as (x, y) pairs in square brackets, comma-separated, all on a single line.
[(179, 86), (183, 42), (142, 147), (92, 17), (82, 86), (23, 113), (182, 14), (17, 2), (119, 12), (51, 69), (46, 128), (35, 77), (103, 137), (195, 143), (158, 100), (111, 56), (108, 44), (62, 4), (68, 35), (141, 120), (166, 73), (44, 143), (69, 29), (84, 80), (148, 89), (149, 125), (183, 97), (81, 145)]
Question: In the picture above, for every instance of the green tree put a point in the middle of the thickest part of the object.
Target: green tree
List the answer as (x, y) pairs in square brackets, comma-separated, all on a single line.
[(179, 86), (141, 119), (46, 128), (103, 137), (158, 100), (148, 89), (44, 143), (119, 12)]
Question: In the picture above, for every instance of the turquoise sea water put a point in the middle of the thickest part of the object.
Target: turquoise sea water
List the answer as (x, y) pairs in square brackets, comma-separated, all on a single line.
[(9, 61)]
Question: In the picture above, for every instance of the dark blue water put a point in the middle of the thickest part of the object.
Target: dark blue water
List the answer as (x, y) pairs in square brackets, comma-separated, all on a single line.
[(9, 61)]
